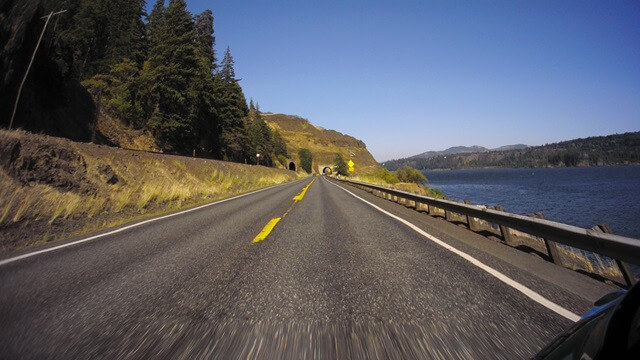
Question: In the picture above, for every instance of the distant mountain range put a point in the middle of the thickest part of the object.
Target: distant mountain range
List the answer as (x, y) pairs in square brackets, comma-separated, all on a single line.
[(466, 149), (617, 149)]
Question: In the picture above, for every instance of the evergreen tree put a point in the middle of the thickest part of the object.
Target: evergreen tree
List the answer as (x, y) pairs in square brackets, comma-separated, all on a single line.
[(171, 73), (206, 40), (261, 141), (228, 73), (279, 145), (341, 165), (232, 113), (156, 23), (93, 35), (306, 160), (126, 33)]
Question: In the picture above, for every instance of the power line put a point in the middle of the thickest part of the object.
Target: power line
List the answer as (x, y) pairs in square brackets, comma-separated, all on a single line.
[(15, 106)]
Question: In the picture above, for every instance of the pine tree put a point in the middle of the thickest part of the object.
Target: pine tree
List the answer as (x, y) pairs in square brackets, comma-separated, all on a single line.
[(232, 113), (228, 73), (95, 35), (206, 40), (279, 145), (127, 32), (261, 138), (171, 73)]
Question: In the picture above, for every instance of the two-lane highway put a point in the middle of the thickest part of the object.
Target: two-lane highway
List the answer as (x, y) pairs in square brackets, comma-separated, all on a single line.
[(337, 276)]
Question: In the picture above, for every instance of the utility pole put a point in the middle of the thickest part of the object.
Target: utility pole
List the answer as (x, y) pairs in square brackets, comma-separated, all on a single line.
[(15, 106)]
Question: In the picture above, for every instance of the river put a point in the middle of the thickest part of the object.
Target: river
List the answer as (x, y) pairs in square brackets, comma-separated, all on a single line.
[(583, 196)]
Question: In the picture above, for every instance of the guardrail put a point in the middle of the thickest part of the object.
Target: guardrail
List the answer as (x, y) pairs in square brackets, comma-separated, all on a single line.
[(622, 249)]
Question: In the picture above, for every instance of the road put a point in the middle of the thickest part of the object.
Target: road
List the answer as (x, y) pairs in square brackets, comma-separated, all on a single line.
[(336, 277)]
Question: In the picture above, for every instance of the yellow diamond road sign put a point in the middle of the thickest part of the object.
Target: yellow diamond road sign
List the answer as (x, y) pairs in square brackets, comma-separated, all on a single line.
[(350, 163)]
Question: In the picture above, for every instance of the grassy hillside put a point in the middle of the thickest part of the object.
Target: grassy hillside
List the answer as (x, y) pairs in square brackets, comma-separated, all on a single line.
[(324, 144), (53, 188)]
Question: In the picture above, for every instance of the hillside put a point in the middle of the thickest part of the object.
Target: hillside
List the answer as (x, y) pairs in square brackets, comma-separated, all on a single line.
[(465, 149), (52, 188), (324, 144), (616, 149)]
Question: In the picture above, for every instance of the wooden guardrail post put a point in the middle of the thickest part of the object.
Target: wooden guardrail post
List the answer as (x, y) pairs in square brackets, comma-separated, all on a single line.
[(471, 221), (625, 269), (552, 233), (505, 231), (448, 215), (552, 247)]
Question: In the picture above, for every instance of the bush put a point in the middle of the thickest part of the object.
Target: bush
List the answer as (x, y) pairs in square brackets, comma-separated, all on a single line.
[(411, 175), (387, 176), (282, 160)]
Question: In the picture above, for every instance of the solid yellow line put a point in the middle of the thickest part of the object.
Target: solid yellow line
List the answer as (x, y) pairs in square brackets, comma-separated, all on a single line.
[(304, 191), (266, 230)]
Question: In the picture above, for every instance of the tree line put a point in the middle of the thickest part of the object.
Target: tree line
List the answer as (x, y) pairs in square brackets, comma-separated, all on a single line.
[(619, 149), (160, 72)]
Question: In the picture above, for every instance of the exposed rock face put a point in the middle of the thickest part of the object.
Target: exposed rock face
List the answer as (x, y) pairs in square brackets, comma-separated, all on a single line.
[(49, 103), (31, 161)]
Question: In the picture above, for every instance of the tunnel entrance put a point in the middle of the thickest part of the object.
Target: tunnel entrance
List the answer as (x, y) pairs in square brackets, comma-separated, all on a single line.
[(292, 166), (327, 170)]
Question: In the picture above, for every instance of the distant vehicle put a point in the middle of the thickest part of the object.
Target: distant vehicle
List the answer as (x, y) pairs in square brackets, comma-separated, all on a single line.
[(610, 330)]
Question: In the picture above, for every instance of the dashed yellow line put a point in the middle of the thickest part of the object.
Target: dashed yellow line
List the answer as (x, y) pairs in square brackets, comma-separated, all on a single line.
[(272, 224), (304, 191), (266, 230)]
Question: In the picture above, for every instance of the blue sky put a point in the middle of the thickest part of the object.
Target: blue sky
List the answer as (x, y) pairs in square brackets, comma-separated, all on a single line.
[(410, 76)]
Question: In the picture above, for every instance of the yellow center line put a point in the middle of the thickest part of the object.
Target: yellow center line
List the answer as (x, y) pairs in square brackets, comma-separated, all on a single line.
[(273, 222), (266, 230), (304, 191)]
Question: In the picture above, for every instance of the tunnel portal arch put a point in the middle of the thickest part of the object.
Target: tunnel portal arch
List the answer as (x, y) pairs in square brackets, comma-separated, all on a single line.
[(292, 166), (327, 170)]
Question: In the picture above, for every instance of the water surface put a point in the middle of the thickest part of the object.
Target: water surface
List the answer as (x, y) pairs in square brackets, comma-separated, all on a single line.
[(583, 196)]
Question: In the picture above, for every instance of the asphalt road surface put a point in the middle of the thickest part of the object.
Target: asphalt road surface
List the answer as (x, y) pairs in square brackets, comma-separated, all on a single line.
[(335, 278)]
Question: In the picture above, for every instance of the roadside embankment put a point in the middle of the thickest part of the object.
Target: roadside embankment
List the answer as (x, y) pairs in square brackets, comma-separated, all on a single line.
[(52, 188)]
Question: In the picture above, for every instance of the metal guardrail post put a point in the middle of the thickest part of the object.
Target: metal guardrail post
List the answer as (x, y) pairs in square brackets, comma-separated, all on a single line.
[(625, 269)]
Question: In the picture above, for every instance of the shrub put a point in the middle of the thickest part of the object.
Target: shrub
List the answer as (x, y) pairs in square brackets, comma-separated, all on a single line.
[(411, 175)]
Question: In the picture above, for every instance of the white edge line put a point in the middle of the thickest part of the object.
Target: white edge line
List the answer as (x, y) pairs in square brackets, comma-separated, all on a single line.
[(24, 256), (500, 276)]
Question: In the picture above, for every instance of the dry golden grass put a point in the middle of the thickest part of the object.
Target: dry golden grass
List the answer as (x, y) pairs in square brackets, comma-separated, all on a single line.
[(577, 259), (324, 144), (148, 184), (408, 187)]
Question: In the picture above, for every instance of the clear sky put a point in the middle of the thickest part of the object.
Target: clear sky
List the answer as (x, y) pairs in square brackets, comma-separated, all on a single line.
[(410, 76)]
